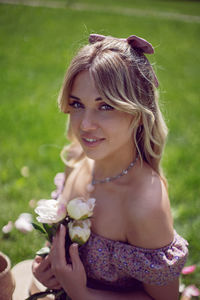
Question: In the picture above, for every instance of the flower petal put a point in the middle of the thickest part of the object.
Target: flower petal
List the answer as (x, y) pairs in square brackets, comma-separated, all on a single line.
[(191, 291), (7, 228), (188, 269), (50, 211)]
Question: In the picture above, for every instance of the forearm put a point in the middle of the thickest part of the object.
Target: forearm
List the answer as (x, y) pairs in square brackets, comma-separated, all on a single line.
[(169, 291), (93, 294)]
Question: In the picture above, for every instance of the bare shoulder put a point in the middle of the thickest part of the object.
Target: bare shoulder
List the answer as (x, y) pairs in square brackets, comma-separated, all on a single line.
[(149, 222), (76, 180)]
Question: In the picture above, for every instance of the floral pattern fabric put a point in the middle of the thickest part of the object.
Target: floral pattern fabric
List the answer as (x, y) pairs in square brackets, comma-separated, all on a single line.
[(120, 264)]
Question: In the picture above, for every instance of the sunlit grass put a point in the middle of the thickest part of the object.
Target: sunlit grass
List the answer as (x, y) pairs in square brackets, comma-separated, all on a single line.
[(36, 47)]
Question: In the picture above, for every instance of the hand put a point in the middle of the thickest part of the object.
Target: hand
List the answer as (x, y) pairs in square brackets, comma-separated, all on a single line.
[(72, 277), (41, 269)]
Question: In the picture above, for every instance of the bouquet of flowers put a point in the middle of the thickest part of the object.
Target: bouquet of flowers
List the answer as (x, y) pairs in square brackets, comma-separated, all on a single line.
[(75, 216)]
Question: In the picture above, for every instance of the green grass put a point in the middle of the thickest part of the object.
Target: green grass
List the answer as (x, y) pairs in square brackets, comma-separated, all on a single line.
[(36, 47)]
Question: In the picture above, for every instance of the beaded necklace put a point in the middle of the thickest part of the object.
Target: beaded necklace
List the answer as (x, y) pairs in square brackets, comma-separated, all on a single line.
[(90, 186)]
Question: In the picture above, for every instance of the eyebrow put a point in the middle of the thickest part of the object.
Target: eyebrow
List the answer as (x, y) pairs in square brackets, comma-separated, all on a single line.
[(76, 98)]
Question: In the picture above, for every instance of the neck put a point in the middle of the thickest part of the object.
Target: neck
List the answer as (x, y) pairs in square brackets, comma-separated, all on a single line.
[(113, 165)]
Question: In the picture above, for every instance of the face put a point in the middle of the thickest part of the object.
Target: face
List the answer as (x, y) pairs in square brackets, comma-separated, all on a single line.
[(102, 131)]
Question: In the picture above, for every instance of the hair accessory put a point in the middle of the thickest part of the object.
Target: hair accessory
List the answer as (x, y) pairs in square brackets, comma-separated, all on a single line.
[(93, 38), (90, 186), (139, 43), (135, 42)]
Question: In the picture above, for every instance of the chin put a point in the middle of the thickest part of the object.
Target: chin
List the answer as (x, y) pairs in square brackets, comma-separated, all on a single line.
[(94, 155)]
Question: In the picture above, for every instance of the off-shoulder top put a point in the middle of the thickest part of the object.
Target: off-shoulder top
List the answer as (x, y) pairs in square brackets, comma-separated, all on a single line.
[(120, 266)]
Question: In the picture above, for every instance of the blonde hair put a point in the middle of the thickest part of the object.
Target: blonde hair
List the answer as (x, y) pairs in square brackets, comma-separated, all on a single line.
[(125, 78)]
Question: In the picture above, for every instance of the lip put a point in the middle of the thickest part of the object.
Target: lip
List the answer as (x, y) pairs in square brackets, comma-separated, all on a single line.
[(91, 141)]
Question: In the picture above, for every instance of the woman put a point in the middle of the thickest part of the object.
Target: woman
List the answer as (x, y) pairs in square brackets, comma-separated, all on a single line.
[(118, 135)]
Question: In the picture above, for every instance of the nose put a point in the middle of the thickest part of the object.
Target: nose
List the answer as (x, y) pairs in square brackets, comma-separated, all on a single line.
[(88, 122)]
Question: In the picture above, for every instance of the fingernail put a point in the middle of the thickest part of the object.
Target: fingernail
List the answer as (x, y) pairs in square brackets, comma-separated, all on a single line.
[(38, 259)]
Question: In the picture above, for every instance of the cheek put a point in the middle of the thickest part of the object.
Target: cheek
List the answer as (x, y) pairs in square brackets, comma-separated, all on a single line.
[(74, 123), (75, 119), (124, 130)]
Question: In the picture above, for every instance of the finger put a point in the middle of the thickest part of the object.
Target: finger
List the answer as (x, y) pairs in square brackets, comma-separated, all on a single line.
[(57, 254), (60, 236), (56, 287), (41, 264), (38, 259), (47, 275), (36, 262), (74, 255), (45, 264), (43, 276), (53, 283), (54, 241)]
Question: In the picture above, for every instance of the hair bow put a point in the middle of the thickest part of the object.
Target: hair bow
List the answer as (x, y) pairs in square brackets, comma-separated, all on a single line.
[(133, 40)]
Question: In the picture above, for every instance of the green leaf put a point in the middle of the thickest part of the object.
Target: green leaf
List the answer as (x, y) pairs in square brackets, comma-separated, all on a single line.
[(47, 228), (39, 228), (50, 230)]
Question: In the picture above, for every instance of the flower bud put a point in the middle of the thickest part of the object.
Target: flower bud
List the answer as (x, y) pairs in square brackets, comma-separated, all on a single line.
[(80, 209), (79, 231)]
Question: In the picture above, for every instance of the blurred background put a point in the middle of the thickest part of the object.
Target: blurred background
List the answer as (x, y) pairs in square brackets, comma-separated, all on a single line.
[(37, 41)]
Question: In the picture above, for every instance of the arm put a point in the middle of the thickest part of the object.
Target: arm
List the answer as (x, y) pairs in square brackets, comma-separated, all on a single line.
[(153, 229), (170, 291), (92, 294)]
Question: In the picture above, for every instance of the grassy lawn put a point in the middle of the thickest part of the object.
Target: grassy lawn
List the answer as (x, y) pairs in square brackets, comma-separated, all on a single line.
[(36, 47)]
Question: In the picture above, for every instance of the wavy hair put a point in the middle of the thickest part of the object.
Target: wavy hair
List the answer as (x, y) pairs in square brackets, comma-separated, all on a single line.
[(125, 78)]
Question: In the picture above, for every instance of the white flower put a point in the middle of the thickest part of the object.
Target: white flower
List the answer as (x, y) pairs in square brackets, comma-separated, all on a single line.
[(23, 223), (79, 208), (79, 231), (50, 211)]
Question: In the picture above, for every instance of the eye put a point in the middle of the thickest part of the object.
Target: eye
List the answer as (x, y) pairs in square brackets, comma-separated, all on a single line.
[(106, 106), (76, 104)]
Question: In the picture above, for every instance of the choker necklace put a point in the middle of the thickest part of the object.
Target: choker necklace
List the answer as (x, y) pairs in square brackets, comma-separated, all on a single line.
[(90, 186)]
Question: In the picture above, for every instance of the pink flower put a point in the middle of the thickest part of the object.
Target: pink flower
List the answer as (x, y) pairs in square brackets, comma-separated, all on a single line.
[(7, 228), (23, 223), (59, 181), (188, 270), (190, 291)]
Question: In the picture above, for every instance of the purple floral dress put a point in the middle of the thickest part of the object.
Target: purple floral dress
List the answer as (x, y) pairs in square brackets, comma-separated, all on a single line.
[(120, 266)]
